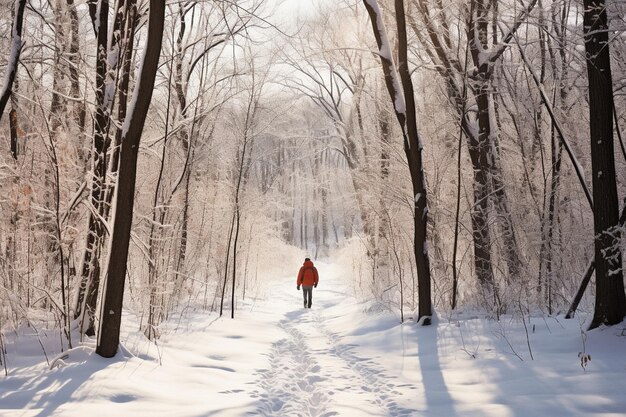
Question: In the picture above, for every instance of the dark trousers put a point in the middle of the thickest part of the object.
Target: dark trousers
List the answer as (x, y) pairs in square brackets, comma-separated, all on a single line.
[(307, 293)]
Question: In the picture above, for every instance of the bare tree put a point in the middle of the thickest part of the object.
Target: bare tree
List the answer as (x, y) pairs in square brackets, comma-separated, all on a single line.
[(401, 94), (610, 306), (14, 57), (110, 49), (111, 312)]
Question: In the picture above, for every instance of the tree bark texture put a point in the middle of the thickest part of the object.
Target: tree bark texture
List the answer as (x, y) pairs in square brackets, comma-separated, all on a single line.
[(108, 338), (98, 168), (610, 305), (405, 112), (16, 49), (413, 150)]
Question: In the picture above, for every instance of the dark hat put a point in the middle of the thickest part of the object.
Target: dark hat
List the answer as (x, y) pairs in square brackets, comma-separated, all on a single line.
[(307, 259)]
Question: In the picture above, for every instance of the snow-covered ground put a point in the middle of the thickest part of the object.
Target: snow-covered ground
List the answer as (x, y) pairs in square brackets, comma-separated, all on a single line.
[(341, 358)]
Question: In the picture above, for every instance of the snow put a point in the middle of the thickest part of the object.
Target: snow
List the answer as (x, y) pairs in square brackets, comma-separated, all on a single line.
[(133, 101), (97, 22), (111, 78), (340, 358), (484, 56)]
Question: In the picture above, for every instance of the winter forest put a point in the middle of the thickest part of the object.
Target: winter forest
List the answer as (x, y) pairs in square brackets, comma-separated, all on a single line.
[(455, 169)]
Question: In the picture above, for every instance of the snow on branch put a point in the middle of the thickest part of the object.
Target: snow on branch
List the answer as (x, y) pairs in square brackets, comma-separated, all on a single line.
[(392, 79), (16, 49), (491, 56)]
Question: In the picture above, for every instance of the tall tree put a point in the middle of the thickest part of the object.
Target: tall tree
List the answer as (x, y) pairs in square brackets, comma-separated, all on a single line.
[(111, 57), (402, 97), (14, 55), (610, 307), (110, 320), (90, 270)]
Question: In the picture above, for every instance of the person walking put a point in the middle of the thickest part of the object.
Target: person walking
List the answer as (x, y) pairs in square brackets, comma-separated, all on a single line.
[(308, 279)]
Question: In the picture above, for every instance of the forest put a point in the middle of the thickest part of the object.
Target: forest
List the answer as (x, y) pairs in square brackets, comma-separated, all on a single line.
[(162, 157)]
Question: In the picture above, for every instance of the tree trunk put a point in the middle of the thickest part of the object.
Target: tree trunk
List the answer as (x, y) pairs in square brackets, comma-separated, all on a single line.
[(98, 177), (101, 192), (122, 96), (14, 57), (480, 215), (108, 338), (480, 149), (405, 112), (14, 133), (610, 306), (234, 275), (58, 102), (78, 108), (230, 237), (413, 150)]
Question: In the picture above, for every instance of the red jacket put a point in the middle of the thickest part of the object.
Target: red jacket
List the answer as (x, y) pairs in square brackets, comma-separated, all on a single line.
[(307, 277)]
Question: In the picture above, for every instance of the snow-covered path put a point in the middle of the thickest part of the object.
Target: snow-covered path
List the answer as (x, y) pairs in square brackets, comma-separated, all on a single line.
[(312, 372), (340, 358), (275, 359)]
